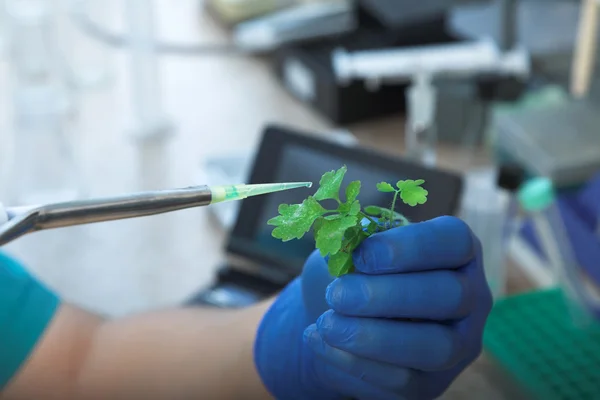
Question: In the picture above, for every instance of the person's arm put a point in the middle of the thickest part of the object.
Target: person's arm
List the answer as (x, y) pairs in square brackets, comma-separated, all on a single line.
[(179, 354)]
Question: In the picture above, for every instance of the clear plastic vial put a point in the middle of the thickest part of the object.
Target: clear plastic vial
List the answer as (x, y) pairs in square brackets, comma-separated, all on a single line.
[(485, 209), (421, 134), (538, 199)]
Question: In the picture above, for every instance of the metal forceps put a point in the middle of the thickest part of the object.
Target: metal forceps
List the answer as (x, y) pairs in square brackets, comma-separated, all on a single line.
[(16, 222)]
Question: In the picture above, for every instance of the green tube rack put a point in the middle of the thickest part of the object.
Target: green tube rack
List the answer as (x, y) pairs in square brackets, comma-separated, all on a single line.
[(531, 335)]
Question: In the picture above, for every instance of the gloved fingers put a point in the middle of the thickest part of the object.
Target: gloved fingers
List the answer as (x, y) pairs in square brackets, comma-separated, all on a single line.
[(379, 374), (433, 295), (315, 278), (441, 243), (350, 386), (424, 346)]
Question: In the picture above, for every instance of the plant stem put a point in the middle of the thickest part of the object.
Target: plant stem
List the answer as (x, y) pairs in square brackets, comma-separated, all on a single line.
[(393, 208)]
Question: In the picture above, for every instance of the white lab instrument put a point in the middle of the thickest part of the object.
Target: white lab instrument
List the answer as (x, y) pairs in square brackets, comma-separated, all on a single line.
[(420, 132), (462, 60), (538, 199), (584, 57), (420, 66), (42, 109), (146, 90), (302, 22)]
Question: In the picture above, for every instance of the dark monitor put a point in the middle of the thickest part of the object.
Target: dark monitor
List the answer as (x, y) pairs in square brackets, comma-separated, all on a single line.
[(288, 156)]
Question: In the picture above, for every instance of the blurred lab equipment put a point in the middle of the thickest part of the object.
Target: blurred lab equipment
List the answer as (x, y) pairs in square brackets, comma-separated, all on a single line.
[(231, 12), (509, 179), (548, 30), (551, 136), (486, 208), (3, 28), (89, 67), (22, 220), (304, 22), (584, 58), (538, 198), (307, 74), (44, 167), (421, 129), (150, 118), (420, 66)]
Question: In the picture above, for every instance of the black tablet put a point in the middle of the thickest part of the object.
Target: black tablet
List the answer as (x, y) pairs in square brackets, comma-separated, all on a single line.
[(286, 155)]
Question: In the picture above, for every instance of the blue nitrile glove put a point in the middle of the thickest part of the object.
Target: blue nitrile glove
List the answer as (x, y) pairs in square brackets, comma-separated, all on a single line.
[(404, 327)]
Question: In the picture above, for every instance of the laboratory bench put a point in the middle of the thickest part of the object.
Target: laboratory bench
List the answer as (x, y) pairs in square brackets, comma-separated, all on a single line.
[(219, 106)]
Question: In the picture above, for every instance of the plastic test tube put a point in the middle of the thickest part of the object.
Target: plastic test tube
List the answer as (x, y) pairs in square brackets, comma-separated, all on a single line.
[(538, 199), (485, 209), (421, 135), (510, 178)]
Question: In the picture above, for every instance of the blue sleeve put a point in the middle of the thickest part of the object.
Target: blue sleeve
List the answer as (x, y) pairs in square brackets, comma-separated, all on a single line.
[(26, 309)]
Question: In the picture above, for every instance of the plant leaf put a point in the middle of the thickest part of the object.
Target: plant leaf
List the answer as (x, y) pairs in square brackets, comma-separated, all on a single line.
[(372, 227), (317, 226), (374, 210), (353, 238), (385, 187), (295, 219), (354, 208), (340, 264), (329, 185), (412, 193), (331, 234), (352, 191), (350, 209)]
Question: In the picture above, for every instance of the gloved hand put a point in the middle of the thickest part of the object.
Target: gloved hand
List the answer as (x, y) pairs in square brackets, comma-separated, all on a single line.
[(403, 327)]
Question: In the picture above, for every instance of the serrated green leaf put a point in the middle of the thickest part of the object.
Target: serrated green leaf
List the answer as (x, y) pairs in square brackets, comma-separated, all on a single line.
[(340, 264), (350, 209), (317, 226), (353, 237), (329, 185), (295, 219), (352, 191), (412, 193), (374, 210), (385, 187), (331, 234), (354, 208)]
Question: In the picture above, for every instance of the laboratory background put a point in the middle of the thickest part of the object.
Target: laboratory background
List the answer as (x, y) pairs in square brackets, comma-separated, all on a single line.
[(495, 103)]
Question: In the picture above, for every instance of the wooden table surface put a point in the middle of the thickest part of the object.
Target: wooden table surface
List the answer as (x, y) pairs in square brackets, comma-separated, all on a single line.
[(219, 106)]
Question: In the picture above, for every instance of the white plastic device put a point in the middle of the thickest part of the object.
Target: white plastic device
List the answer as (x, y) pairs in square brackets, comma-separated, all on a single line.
[(457, 60)]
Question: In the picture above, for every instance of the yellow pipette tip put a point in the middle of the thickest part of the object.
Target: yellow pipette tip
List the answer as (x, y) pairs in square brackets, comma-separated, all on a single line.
[(240, 192)]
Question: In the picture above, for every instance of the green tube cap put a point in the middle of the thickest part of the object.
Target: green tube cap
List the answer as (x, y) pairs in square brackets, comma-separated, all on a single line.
[(537, 194)]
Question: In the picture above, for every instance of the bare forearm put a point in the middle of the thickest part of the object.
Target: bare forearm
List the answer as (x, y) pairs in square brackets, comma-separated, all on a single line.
[(180, 354), (186, 354)]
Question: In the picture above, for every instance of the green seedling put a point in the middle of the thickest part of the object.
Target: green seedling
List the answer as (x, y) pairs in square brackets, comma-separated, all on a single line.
[(338, 232)]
